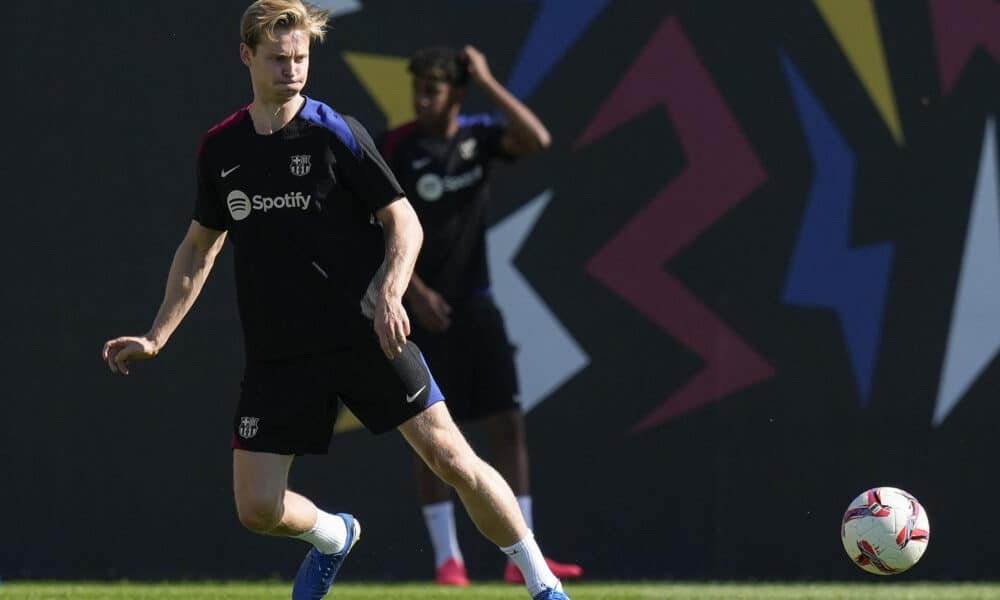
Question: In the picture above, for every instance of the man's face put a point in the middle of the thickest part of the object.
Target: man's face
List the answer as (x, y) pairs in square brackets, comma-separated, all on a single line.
[(279, 68), (433, 100)]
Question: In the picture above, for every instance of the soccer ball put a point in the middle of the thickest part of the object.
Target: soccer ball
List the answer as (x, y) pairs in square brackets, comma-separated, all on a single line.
[(885, 531)]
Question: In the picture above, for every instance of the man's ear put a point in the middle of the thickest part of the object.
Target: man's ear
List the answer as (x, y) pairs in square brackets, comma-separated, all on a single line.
[(245, 52)]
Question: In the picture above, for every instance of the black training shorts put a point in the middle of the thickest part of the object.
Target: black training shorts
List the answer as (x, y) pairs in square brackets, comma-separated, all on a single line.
[(473, 360), (290, 406)]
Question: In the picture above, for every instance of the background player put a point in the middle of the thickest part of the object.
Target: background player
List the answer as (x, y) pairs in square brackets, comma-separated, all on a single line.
[(443, 160), (324, 244)]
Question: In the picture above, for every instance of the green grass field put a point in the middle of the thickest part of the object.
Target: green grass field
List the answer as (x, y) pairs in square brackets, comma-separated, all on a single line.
[(590, 591)]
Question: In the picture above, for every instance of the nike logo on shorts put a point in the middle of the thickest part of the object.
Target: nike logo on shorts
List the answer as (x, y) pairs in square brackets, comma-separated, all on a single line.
[(226, 172), (412, 397), (420, 163)]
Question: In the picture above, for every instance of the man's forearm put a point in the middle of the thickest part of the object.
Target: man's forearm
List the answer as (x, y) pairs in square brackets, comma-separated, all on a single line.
[(402, 244), (188, 271), (523, 123)]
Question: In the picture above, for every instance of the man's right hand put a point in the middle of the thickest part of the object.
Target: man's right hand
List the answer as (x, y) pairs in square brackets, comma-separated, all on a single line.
[(119, 351), (431, 309)]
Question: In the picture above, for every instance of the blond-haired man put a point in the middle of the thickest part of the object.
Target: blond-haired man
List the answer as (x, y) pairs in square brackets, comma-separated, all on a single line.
[(324, 246)]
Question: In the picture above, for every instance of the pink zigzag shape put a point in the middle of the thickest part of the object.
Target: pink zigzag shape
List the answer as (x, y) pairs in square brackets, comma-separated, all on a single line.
[(961, 26), (721, 171)]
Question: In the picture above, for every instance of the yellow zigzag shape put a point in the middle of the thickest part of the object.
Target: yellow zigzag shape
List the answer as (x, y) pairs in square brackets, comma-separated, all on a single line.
[(855, 25), (387, 82), (346, 421)]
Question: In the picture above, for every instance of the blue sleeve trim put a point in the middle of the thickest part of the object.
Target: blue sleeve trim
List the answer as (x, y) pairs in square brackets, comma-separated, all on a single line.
[(486, 119), (324, 116)]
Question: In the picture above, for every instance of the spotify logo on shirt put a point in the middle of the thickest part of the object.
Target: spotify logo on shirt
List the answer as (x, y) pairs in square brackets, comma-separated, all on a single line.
[(431, 186), (240, 205)]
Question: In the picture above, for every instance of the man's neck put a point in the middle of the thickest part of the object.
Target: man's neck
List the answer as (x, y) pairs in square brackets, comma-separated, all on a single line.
[(446, 129), (269, 117)]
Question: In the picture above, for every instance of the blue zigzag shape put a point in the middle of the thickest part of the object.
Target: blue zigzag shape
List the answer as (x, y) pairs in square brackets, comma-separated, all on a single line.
[(557, 26), (825, 271)]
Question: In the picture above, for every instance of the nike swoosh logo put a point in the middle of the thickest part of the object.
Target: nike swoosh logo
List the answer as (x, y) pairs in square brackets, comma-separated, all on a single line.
[(420, 163), (411, 398), (226, 172)]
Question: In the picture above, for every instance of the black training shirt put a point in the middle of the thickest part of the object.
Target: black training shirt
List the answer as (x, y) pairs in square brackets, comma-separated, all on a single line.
[(298, 207), (446, 182)]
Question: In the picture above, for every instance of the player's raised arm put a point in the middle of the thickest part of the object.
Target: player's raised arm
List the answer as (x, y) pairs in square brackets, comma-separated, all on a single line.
[(403, 236), (191, 265), (525, 134)]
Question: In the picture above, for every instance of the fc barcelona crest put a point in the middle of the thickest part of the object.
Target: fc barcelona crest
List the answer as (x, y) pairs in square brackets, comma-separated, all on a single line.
[(467, 149), (248, 427), (301, 164)]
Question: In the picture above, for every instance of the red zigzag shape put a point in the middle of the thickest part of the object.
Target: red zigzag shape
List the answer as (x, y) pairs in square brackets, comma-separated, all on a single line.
[(721, 171), (960, 27)]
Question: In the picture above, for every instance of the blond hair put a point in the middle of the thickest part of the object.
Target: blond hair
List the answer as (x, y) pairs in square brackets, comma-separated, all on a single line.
[(263, 17)]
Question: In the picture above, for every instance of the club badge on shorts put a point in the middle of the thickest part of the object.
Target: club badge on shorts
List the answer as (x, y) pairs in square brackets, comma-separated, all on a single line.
[(301, 164), (248, 427)]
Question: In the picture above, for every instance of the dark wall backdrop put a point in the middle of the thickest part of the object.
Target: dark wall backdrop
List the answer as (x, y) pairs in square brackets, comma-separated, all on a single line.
[(772, 239)]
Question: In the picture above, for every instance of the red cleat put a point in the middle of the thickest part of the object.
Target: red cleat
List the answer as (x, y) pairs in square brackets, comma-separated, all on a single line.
[(512, 574), (452, 572)]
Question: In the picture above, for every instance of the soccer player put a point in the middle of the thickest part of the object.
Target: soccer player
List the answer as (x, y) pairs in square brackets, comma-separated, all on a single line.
[(324, 244), (443, 160)]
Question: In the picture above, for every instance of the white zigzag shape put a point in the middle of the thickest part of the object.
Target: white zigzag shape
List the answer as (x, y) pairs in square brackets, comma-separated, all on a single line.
[(974, 336), (547, 355)]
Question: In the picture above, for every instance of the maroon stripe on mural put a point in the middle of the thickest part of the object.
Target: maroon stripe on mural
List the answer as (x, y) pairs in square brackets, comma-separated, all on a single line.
[(961, 26), (721, 171)]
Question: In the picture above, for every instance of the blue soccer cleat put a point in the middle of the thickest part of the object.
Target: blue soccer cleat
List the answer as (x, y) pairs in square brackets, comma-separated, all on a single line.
[(318, 570), (551, 594)]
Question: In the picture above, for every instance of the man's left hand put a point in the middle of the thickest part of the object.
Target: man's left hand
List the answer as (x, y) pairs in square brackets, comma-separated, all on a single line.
[(479, 69)]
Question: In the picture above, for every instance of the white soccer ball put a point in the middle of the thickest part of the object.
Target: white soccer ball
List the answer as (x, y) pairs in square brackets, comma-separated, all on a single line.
[(885, 531)]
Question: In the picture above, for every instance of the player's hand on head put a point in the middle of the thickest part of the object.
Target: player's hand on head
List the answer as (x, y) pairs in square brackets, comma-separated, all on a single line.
[(431, 310), (392, 326), (479, 69), (118, 352)]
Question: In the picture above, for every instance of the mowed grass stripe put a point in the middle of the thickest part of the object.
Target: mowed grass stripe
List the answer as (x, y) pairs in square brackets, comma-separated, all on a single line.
[(883, 590)]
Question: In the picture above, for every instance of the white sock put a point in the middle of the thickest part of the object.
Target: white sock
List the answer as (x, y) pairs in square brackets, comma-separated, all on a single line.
[(528, 557), (329, 534), (525, 503), (440, 520)]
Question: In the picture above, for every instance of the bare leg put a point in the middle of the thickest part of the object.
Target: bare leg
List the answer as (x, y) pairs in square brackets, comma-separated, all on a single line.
[(263, 501), (430, 488), (508, 444), (439, 517), (486, 496), (507, 438), (265, 505)]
